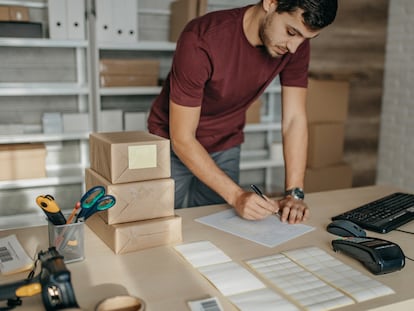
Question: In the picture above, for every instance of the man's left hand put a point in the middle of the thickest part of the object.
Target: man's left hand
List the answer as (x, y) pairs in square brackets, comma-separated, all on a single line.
[(292, 210)]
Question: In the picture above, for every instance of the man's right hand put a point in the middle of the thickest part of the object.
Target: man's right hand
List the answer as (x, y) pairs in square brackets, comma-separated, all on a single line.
[(251, 206)]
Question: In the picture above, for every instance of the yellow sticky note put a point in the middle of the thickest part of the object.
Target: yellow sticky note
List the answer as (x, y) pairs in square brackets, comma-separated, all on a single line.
[(142, 156)]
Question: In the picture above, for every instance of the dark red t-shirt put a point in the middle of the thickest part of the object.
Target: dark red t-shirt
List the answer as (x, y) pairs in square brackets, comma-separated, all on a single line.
[(215, 67)]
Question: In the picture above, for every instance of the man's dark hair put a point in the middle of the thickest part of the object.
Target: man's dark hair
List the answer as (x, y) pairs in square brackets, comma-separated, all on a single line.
[(317, 14)]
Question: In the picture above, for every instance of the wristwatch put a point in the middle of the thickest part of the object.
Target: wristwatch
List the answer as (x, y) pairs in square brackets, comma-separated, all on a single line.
[(296, 193)]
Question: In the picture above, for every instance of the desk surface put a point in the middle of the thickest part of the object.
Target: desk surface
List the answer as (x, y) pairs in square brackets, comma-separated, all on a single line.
[(165, 281)]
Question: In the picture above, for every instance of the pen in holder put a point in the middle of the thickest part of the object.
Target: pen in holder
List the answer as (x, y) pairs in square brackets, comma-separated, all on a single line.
[(68, 240)]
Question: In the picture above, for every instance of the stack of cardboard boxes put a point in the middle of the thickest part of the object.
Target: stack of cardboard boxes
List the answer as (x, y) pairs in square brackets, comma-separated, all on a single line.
[(135, 168), (327, 109)]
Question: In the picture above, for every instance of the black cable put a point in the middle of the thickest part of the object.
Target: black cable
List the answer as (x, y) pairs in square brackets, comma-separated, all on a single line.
[(403, 231), (408, 232)]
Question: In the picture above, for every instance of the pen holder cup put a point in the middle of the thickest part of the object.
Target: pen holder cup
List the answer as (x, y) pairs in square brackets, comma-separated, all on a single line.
[(68, 240)]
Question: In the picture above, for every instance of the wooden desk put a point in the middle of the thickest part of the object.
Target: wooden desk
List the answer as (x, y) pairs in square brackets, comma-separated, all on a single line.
[(165, 281)]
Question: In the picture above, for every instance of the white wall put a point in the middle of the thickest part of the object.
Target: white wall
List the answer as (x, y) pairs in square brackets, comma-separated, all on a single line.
[(396, 151)]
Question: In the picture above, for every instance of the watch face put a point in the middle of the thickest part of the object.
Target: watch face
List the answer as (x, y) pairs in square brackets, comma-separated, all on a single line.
[(297, 193)]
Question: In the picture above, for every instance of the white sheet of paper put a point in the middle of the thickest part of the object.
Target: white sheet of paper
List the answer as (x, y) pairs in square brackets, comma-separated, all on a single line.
[(269, 232), (230, 278), (261, 300), (202, 253)]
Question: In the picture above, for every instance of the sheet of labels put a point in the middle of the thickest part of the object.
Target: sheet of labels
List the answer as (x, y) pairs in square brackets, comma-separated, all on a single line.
[(306, 279)]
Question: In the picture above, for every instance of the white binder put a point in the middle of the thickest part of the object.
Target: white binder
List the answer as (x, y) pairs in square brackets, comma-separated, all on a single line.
[(104, 25), (67, 19), (75, 19), (57, 19), (124, 19), (116, 21)]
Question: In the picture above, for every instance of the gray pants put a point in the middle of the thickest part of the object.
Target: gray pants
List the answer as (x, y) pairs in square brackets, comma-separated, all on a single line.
[(190, 191)]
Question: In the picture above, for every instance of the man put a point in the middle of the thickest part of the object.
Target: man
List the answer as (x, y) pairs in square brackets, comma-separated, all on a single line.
[(224, 60)]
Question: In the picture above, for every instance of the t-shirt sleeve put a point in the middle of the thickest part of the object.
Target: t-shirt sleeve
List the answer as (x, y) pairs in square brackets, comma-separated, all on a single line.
[(296, 71), (191, 69)]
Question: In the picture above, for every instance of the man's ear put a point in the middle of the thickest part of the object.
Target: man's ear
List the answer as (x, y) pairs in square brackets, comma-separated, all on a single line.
[(269, 5)]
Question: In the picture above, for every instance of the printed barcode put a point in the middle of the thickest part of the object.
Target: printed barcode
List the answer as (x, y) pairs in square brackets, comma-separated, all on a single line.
[(210, 305), (5, 254)]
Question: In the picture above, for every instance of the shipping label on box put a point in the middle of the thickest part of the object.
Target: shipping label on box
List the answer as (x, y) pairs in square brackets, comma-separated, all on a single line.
[(326, 144), (22, 161), (135, 200), (328, 178), (123, 157), (327, 101), (138, 235)]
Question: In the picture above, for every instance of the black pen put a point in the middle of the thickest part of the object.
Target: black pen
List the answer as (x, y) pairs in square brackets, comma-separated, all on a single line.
[(258, 191)]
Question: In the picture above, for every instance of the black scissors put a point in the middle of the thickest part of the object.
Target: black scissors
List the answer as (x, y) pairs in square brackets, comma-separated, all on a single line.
[(94, 200)]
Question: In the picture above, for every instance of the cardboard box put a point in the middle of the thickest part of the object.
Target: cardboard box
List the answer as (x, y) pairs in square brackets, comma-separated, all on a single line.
[(128, 80), (327, 101), (326, 144), (135, 121), (22, 161), (19, 13), (115, 66), (14, 13), (135, 200), (123, 157), (253, 113), (183, 11), (328, 178), (138, 235), (4, 13), (75, 122), (111, 120)]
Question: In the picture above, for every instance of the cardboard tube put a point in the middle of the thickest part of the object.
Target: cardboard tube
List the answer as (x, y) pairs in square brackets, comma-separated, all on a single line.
[(121, 303)]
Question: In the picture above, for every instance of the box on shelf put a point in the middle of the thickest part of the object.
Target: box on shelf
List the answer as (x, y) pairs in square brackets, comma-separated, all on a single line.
[(123, 157), (328, 178), (4, 13), (182, 11), (75, 122), (19, 13), (111, 120), (135, 121), (138, 235), (22, 161), (135, 200), (20, 29), (276, 154), (52, 122), (14, 13), (253, 113), (134, 66), (153, 26), (326, 144), (327, 100), (128, 80)]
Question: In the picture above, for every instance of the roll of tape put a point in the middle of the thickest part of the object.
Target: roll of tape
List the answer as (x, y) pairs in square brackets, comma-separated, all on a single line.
[(121, 303)]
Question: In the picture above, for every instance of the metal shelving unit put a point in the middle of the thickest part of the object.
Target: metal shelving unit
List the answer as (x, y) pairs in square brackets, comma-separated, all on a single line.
[(26, 91)]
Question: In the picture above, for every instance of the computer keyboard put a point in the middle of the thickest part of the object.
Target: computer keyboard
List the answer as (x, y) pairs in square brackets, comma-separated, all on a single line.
[(382, 215)]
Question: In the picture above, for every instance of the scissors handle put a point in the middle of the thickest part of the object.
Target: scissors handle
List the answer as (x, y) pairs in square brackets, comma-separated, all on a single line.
[(102, 204), (92, 196)]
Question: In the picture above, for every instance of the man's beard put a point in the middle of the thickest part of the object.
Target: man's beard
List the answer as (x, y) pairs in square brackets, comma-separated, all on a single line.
[(267, 42)]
